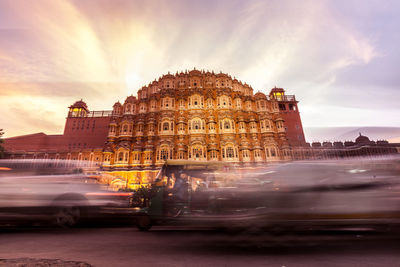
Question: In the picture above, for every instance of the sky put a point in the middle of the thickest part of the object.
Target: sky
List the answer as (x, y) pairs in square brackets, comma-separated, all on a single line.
[(340, 58)]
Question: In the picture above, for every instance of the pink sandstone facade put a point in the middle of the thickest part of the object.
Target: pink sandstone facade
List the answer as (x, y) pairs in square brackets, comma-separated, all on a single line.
[(193, 115)]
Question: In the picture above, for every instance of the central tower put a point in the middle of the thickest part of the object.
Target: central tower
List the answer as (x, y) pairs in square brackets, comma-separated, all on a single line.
[(195, 115)]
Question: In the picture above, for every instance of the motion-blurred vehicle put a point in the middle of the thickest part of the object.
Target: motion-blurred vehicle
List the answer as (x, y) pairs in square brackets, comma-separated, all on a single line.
[(336, 193), (56, 191)]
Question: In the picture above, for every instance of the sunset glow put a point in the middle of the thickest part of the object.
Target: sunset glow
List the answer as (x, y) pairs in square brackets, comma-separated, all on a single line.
[(338, 57)]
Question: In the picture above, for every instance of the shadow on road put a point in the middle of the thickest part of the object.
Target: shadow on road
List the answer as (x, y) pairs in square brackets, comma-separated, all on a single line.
[(211, 242), (325, 242)]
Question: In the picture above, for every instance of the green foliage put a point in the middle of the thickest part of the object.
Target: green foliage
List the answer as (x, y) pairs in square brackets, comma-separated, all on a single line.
[(141, 196), (1, 146)]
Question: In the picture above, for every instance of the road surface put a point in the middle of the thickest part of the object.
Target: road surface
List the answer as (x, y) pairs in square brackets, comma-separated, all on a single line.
[(126, 246)]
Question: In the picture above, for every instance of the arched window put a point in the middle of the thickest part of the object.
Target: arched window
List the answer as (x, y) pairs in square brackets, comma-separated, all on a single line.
[(209, 103), (153, 104), (166, 126), (142, 107), (196, 125), (164, 154), (246, 154), (112, 129), (248, 105), (227, 125), (238, 103), (197, 152), (151, 128), (230, 152)]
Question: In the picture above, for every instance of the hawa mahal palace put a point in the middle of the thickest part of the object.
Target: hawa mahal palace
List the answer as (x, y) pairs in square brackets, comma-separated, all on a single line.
[(192, 115)]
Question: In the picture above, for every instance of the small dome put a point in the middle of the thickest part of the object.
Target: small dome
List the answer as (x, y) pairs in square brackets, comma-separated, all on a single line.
[(117, 104), (362, 140), (194, 72), (169, 75), (79, 104), (222, 75), (316, 144), (130, 99), (260, 95)]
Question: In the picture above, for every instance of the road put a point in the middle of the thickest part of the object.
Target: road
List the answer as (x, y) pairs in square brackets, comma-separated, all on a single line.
[(126, 246)]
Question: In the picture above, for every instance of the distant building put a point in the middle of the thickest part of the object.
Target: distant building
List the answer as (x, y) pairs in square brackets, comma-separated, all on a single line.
[(361, 147)]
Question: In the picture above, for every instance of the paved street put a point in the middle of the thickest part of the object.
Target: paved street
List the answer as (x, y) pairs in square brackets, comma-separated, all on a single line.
[(184, 247)]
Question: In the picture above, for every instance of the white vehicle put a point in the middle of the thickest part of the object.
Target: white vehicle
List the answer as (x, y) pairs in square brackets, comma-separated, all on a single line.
[(57, 191)]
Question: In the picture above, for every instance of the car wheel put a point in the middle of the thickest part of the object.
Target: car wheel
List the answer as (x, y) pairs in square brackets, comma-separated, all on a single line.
[(144, 223), (67, 217)]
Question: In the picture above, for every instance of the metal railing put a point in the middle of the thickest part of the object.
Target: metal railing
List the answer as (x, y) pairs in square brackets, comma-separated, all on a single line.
[(100, 113)]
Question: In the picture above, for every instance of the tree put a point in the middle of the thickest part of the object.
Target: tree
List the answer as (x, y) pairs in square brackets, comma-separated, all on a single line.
[(1, 144)]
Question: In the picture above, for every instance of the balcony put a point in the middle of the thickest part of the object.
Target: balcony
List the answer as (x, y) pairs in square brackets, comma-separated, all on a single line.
[(101, 113), (267, 130), (167, 132), (212, 131), (197, 131), (125, 134), (286, 98)]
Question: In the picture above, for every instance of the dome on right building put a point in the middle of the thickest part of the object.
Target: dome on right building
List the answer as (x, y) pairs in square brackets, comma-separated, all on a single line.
[(362, 140)]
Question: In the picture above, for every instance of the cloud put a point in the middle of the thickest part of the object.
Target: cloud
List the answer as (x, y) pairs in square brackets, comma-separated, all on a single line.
[(104, 50)]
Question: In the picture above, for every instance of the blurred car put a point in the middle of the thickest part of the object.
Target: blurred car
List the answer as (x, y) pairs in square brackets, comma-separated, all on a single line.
[(335, 193), (54, 191)]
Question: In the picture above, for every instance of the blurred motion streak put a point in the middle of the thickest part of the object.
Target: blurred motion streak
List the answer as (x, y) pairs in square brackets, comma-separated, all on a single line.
[(55, 191), (325, 194)]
